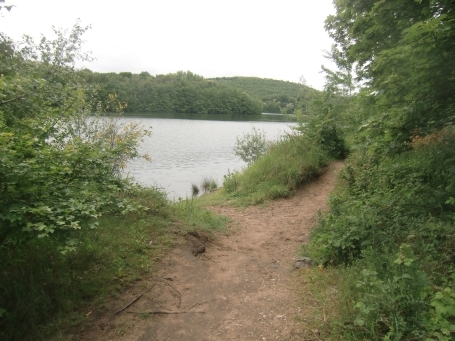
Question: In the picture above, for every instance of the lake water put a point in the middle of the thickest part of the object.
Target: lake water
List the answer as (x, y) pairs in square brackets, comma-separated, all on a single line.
[(184, 151)]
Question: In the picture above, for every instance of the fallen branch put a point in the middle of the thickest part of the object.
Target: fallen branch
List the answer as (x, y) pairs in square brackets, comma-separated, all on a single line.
[(178, 292), (202, 303), (134, 300), (162, 312)]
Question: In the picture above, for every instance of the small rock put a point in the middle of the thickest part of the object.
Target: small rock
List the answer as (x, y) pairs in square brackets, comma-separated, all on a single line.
[(303, 262)]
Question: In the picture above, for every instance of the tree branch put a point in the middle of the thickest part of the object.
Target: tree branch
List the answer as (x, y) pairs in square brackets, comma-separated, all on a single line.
[(12, 100)]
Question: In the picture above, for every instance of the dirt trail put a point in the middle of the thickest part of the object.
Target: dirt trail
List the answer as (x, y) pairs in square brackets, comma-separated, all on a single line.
[(241, 288)]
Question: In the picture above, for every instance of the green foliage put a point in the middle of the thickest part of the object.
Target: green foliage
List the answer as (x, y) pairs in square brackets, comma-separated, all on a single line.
[(43, 290), (59, 168), (251, 146), (181, 92), (231, 181), (288, 163), (196, 217), (402, 51), (392, 221), (276, 96), (319, 120)]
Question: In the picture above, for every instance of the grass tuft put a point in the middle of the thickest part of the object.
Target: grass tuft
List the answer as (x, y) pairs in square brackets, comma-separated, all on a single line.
[(208, 184), (194, 190)]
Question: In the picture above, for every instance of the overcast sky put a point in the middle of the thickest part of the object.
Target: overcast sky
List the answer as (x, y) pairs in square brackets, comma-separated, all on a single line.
[(270, 39)]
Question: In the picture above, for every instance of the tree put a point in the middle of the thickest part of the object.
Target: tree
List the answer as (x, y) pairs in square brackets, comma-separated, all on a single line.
[(59, 166), (402, 52)]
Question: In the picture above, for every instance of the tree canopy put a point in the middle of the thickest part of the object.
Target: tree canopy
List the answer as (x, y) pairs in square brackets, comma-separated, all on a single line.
[(276, 96), (403, 54), (181, 92)]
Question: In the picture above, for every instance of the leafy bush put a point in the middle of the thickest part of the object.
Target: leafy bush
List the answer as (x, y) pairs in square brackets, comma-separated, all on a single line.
[(59, 167), (320, 120), (391, 221), (43, 290), (251, 146)]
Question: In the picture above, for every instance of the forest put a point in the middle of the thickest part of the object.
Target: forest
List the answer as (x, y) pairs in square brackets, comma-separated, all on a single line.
[(276, 96), (182, 92)]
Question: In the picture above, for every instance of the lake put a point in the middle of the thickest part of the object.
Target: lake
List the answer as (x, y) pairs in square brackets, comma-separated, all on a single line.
[(185, 150)]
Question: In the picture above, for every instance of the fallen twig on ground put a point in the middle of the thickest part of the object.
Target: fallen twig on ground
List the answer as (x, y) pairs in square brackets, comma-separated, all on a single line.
[(180, 295), (162, 312), (134, 300)]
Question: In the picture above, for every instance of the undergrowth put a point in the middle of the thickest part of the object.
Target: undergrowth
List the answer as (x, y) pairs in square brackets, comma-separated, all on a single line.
[(391, 226), (43, 291)]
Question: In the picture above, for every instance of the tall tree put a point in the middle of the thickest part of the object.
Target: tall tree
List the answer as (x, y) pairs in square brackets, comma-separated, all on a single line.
[(404, 54)]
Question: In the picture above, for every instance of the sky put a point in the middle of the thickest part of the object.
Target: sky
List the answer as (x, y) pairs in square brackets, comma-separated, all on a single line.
[(281, 40)]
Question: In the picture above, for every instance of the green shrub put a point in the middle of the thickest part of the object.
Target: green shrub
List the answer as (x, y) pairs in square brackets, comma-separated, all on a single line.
[(42, 290), (59, 165), (392, 221), (251, 146)]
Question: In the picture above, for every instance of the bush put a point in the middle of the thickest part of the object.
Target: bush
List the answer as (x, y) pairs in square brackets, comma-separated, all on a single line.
[(59, 166), (251, 146), (391, 221), (43, 290)]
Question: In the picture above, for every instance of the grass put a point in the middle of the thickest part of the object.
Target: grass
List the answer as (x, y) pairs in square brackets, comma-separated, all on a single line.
[(288, 164), (197, 218), (208, 184), (43, 291), (325, 298)]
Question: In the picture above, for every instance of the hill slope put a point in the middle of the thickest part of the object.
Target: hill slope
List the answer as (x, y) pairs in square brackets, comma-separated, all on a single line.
[(276, 95)]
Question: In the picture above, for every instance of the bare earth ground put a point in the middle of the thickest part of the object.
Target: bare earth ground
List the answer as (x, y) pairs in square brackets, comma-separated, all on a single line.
[(241, 288)]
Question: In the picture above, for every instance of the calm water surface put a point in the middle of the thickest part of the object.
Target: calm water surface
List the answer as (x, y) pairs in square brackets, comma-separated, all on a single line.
[(184, 151)]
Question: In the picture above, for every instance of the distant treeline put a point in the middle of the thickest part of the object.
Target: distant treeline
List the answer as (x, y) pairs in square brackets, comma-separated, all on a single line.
[(181, 92), (276, 96)]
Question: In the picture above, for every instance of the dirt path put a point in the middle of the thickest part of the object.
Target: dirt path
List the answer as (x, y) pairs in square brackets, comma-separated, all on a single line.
[(241, 288)]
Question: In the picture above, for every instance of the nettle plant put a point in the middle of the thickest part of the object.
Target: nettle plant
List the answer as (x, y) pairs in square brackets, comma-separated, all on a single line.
[(60, 165)]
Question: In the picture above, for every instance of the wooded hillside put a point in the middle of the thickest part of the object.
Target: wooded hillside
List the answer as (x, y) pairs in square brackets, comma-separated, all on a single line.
[(276, 95), (182, 92)]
